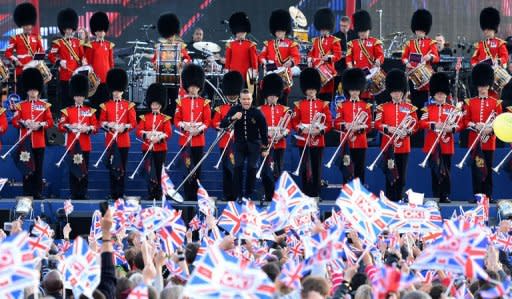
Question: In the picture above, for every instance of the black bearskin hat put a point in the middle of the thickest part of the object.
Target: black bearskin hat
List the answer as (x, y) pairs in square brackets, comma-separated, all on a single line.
[(99, 22), (489, 18), (396, 81), (362, 21), (506, 95), (232, 83), (272, 85), (25, 14), (482, 75), (353, 79), (310, 79), (31, 78), (156, 93), (79, 86), (192, 75), (421, 20), (324, 19), (439, 82), (239, 22), (67, 18), (168, 25), (280, 19), (117, 79)]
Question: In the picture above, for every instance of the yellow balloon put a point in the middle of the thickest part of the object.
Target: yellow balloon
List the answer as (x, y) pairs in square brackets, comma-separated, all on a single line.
[(502, 127)]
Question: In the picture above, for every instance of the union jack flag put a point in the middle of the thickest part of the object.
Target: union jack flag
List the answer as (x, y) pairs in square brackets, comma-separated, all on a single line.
[(483, 201), (503, 241), (81, 269), (291, 274), (68, 207), (203, 200), (17, 266), (139, 292), (153, 218), (464, 293), (41, 228), (172, 236), (231, 218), (206, 243), (95, 230), (119, 258), (176, 270), (386, 279), (501, 290), (325, 246), (168, 187), (40, 245), (366, 213), (219, 275), (194, 224), (414, 218)]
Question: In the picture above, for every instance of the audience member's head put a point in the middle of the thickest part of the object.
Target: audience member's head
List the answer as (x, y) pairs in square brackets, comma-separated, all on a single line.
[(123, 287), (172, 292), (416, 295), (314, 287), (272, 270), (437, 291), (363, 292), (52, 283)]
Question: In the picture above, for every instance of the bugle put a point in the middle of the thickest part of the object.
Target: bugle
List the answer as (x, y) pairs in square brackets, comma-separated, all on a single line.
[(317, 122), (480, 137), (77, 132), (114, 137), (152, 133), (189, 140), (216, 166), (29, 131)]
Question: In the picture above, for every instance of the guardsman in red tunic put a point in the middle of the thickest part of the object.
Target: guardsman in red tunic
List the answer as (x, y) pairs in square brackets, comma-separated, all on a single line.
[(241, 53), (100, 55), (433, 121), (280, 54), (169, 29), (32, 117), (232, 84), (193, 117), (67, 53), (491, 47), (304, 123), (274, 112), (366, 52), (388, 119), (477, 111), (74, 120), (154, 129), (22, 47), (326, 51), (117, 118), (353, 153)]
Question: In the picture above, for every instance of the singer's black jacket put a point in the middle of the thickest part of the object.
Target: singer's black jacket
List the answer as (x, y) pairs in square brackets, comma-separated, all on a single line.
[(251, 128)]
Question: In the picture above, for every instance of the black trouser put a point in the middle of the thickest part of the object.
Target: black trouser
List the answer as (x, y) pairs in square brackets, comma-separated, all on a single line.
[(249, 151), (78, 186), (418, 99), (270, 175), (155, 187), (311, 186), (63, 99), (227, 176), (479, 185), (395, 191), (441, 186), (190, 187), (172, 95), (100, 96), (117, 182), (358, 157), (33, 184)]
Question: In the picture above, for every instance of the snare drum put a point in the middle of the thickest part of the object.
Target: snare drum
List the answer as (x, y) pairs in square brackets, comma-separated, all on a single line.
[(94, 81), (501, 78), (41, 67), (377, 81), (326, 73), (4, 72), (420, 75)]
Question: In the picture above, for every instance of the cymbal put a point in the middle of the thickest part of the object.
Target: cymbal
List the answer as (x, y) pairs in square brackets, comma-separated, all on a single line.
[(297, 16), (136, 42), (227, 40), (207, 47)]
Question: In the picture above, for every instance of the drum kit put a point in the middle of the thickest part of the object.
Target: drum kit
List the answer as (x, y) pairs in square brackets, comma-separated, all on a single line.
[(300, 33)]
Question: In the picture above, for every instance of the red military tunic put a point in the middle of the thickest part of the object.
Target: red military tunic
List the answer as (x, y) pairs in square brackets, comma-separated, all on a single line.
[(100, 56), (279, 52), (273, 115), (3, 123), (70, 50), (38, 111), (192, 110), (304, 112), (157, 123), (421, 46), (24, 54), (220, 113), (74, 115), (240, 56), (120, 112), (328, 45), (373, 52), (345, 114), (392, 114), (432, 114), (166, 42), (494, 48), (477, 110)]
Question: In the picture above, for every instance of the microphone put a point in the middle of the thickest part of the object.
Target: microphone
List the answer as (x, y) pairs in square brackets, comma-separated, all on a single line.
[(224, 22)]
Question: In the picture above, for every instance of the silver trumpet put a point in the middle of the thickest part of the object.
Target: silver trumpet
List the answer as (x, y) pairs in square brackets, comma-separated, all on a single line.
[(77, 130), (450, 121), (187, 142), (216, 166), (152, 134), (358, 121), (480, 137), (280, 129), (114, 138), (29, 131), (318, 122), (404, 128), (497, 167)]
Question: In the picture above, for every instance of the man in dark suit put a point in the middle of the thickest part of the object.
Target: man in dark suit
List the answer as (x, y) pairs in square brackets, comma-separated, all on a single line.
[(345, 35)]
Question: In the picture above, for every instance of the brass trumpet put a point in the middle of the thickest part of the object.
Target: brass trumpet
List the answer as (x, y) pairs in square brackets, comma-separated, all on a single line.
[(359, 120), (480, 137), (497, 168), (189, 140), (318, 122), (29, 131), (152, 134), (114, 138), (77, 129)]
